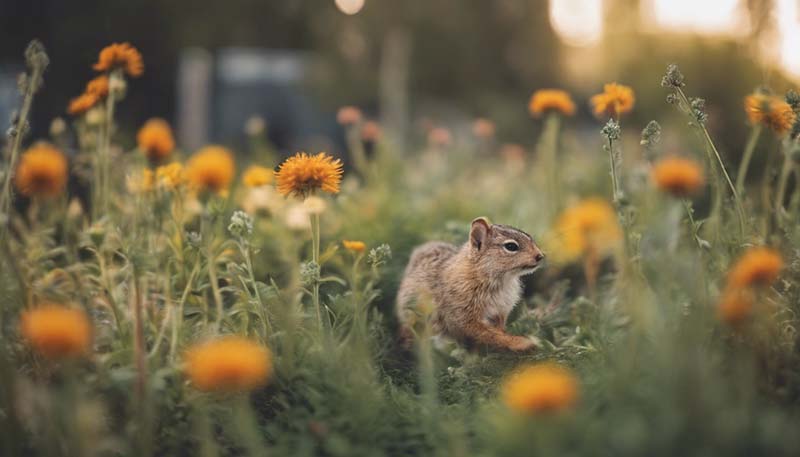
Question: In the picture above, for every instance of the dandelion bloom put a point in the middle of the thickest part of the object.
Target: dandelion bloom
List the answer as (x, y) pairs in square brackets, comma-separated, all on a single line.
[(759, 266), (82, 103), (257, 176), (120, 55), (211, 168), (303, 174), (354, 246), (56, 331), (98, 86), (483, 128), (169, 177), (371, 131), (770, 111), (735, 306), (155, 140), (614, 101), (541, 388), (42, 171), (547, 100), (588, 227), (678, 176), (348, 115), (440, 137), (228, 364)]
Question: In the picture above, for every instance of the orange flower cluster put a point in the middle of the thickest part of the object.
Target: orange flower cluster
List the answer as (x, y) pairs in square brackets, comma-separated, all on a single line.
[(56, 331), (304, 174), (614, 101), (770, 111), (116, 55), (228, 364), (541, 388), (758, 267), (354, 246), (588, 228), (678, 176), (551, 100), (42, 171)]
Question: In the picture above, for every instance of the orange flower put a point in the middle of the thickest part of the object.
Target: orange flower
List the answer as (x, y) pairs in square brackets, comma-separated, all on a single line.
[(483, 128), (42, 171), (98, 86), (759, 266), (56, 331), (614, 101), (82, 103), (348, 115), (541, 388), (170, 176), (354, 246), (589, 227), (257, 176), (773, 112), (371, 131), (120, 55), (678, 176), (440, 137), (736, 305), (546, 100), (228, 364), (155, 140), (303, 174), (211, 168)]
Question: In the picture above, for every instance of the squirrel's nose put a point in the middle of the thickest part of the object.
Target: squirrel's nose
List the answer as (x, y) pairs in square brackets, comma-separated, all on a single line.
[(539, 256)]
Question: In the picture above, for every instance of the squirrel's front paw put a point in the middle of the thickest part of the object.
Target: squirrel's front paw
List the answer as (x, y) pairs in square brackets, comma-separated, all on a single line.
[(521, 344)]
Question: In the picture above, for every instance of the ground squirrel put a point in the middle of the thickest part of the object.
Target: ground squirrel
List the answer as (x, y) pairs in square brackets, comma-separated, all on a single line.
[(472, 289)]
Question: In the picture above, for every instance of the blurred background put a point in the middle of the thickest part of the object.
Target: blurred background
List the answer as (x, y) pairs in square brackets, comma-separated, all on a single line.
[(211, 65)]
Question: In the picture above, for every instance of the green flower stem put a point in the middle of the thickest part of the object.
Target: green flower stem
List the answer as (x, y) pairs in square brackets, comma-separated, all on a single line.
[(783, 180), (104, 160), (262, 311), (211, 261), (552, 129), (22, 121), (177, 323), (614, 176), (713, 153), (315, 239), (752, 141)]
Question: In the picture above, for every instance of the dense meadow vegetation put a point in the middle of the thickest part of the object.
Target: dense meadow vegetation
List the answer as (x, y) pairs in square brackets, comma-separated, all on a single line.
[(157, 301)]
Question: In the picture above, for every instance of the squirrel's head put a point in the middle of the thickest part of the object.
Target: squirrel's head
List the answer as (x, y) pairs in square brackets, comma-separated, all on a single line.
[(503, 249)]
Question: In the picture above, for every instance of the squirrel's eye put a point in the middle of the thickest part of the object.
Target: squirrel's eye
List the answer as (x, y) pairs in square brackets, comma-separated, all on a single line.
[(511, 246)]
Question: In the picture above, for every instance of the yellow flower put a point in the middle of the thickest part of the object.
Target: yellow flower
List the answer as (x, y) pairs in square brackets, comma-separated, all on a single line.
[(303, 174), (589, 227), (354, 246), (678, 176), (56, 331), (736, 305), (42, 171), (773, 112), (169, 176), (98, 86), (546, 100), (155, 140), (540, 388), (257, 176), (211, 168), (228, 364), (759, 266), (614, 101), (120, 55), (82, 103), (348, 115)]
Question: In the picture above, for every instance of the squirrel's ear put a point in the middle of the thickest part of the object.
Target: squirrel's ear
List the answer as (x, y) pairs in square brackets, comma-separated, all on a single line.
[(478, 232)]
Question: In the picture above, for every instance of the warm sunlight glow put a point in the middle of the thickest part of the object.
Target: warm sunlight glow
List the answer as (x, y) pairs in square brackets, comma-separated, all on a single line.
[(577, 22), (788, 19), (699, 16), (349, 7)]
